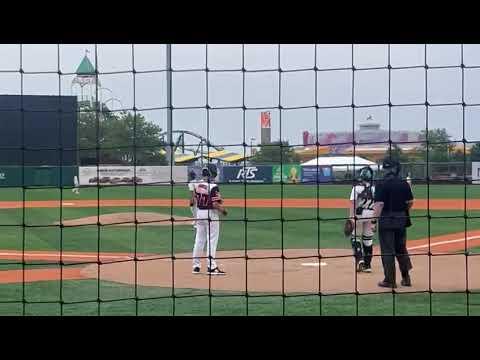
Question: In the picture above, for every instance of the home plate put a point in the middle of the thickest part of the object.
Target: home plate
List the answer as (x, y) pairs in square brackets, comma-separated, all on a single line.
[(315, 264)]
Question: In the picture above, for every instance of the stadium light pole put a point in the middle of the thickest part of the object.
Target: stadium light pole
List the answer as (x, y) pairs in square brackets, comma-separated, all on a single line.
[(169, 104)]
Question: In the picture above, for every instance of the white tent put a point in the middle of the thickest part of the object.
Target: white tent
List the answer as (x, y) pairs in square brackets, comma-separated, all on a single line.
[(341, 163)]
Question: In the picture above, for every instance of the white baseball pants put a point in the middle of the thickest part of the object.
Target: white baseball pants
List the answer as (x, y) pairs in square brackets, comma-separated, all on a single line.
[(207, 234)]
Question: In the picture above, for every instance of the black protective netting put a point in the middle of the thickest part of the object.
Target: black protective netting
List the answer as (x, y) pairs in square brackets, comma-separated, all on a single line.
[(114, 267)]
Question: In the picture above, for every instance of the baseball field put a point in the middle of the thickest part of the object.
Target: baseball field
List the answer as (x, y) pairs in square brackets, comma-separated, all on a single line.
[(282, 247)]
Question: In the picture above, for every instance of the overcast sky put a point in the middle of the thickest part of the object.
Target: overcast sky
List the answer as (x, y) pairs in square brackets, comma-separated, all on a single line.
[(262, 88)]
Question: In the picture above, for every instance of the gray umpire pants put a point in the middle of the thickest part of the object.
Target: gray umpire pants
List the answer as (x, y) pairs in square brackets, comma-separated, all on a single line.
[(393, 243)]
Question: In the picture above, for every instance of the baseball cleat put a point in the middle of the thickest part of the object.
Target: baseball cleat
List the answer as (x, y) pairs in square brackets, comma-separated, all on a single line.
[(367, 268), (386, 284), (360, 265), (216, 271), (196, 270), (406, 281)]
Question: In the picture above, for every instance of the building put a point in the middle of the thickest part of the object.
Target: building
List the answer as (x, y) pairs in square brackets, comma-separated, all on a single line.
[(311, 152), (371, 139), (368, 133)]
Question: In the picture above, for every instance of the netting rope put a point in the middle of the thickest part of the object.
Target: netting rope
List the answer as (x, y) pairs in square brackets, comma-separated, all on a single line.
[(281, 110)]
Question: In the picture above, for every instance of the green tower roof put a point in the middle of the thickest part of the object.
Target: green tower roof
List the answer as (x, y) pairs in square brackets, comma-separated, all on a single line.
[(85, 67)]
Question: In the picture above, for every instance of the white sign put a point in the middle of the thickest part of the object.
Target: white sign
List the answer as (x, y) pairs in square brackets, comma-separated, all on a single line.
[(247, 173), (475, 172), (113, 175)]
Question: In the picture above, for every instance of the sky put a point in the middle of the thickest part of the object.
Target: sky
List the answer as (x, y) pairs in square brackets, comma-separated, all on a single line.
[(297, 89)]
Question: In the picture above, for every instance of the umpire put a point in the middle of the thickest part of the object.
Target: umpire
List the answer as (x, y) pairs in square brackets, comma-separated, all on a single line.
[(393, 200)]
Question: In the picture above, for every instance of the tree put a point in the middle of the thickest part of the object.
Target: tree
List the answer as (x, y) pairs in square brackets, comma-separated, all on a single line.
[(396, 153), (130, 137), (459, 156), (275, 153), (89, 135), (475, 152), (121, 139), (439, 148)]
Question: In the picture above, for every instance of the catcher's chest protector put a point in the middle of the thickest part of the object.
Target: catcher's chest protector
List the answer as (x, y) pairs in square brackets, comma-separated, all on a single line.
[(366, 194), (365, 199)]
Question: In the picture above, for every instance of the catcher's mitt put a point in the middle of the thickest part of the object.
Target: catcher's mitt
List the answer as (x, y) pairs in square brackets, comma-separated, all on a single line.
[(348, 228)]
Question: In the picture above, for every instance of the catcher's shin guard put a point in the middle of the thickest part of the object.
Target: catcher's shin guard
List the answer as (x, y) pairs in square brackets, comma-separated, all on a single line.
[(368, 254), (357, 248), (367, 249)]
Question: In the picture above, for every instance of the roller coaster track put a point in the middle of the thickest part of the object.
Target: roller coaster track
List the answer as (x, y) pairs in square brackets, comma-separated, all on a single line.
[(180, 142)]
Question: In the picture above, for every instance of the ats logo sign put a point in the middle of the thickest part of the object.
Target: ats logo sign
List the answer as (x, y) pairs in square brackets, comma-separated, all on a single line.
[(247, 173), (250, 174)]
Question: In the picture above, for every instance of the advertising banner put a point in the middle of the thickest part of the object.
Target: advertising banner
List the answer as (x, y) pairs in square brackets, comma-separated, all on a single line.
[(475, 172), (112, 175), (248, 174), (290, 174), (265, 120), (309, 174)]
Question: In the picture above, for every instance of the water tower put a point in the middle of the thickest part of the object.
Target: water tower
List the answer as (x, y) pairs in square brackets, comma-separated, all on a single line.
[(88, 87), (86, 81)]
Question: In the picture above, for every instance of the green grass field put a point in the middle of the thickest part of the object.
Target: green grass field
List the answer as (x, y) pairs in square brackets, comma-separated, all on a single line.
[(263, 230), (326, 191), (43, 299)]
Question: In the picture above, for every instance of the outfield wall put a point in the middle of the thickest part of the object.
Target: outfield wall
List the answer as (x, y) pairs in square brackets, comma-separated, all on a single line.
[(107, 175), (56, 176), (30, 176), (124, 175), (271, 174)]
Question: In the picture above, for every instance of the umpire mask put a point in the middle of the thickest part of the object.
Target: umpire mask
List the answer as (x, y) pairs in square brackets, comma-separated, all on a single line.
[(391, 168)]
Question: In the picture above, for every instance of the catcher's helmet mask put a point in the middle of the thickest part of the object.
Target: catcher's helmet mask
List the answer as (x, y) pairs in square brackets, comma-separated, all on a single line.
[(366, 175)]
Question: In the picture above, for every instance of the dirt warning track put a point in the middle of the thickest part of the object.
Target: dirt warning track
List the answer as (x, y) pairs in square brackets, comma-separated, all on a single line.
[(420, 204)]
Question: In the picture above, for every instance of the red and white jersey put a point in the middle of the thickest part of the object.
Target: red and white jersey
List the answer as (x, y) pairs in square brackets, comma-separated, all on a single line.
[(191, 185), (206, 194)]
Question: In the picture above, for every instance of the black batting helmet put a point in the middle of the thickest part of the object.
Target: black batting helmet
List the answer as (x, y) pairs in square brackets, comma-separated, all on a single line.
[(209, 171)]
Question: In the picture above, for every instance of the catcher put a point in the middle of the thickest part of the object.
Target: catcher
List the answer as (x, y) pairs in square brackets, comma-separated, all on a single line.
[(361, 226)]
